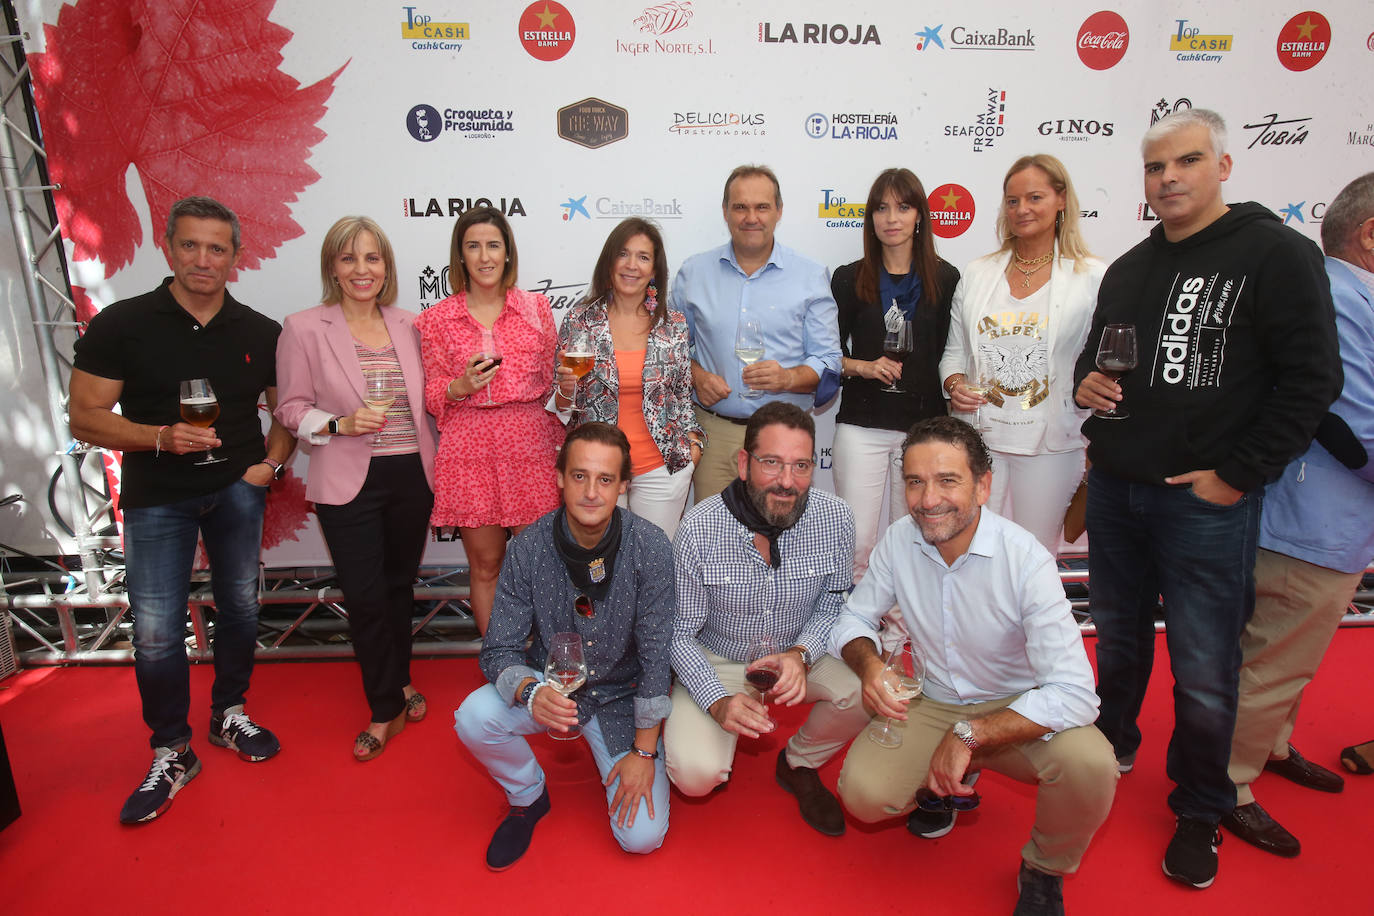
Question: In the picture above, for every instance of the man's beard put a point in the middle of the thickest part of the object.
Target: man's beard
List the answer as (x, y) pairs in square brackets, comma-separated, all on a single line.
[(759, 497)]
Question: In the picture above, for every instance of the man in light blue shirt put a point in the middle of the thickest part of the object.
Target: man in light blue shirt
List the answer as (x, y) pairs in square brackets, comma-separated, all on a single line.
[(752, 278), (1007, 683)]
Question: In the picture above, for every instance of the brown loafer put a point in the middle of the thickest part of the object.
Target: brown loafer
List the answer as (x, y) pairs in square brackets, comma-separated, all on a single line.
[(819, 807), (416, 707), (367, 745)]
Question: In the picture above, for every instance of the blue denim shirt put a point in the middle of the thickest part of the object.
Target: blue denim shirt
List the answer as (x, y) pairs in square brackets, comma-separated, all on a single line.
[(790, 299), (625, 642)]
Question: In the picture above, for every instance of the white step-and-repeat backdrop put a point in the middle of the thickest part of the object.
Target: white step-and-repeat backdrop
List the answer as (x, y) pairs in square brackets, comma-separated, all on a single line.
[(570, 116)]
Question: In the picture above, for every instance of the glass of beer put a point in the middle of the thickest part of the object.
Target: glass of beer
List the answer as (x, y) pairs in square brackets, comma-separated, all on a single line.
[(579, 358), (200, 408)]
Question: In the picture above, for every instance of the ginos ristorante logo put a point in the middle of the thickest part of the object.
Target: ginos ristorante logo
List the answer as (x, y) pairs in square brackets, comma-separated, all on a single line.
[(1102, 40), (951, 210), (547, 30), (1303, 41)]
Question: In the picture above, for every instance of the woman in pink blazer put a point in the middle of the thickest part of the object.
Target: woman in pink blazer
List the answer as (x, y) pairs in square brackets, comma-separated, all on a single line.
[(371, 473)]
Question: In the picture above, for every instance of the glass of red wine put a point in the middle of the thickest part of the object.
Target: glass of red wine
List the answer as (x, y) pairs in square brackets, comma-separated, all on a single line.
[(1116, 356), (491, 350), (896, 346), (762, 668)]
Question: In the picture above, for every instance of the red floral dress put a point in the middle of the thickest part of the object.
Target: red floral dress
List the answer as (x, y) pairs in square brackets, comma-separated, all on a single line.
[(495, 464)]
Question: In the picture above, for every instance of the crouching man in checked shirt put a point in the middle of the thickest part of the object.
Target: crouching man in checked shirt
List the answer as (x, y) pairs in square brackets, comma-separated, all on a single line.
[(766, 556)]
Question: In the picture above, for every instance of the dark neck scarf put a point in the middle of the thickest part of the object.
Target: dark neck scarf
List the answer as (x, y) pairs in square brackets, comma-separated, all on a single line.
[(906, 291), (589, 568), (736, 498)]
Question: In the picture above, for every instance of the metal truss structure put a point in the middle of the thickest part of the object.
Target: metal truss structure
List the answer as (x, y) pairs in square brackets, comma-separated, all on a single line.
[(81, 616)]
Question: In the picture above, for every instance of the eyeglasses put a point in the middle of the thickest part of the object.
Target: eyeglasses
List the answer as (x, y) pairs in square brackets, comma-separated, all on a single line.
[(772, 467), (927, 800), (583, 606)]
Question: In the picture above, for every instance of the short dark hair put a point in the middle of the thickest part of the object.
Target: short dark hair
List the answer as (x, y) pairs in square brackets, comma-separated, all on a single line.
[(952, 431), (615, 242), (602, 433), (1346, 213), (202, 208), (752, 171), (782, 413), (457, 272)]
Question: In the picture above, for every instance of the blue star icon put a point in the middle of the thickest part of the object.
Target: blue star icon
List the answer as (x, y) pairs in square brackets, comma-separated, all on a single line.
[(929, 37), (1293, 211), (575, 206)]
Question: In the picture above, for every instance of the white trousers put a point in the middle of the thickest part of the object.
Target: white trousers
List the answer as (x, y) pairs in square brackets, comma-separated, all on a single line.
[(1034, 490), (867, 471), (659, 496)]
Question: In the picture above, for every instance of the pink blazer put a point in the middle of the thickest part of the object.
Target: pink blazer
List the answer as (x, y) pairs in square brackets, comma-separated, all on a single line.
[(318, 377)]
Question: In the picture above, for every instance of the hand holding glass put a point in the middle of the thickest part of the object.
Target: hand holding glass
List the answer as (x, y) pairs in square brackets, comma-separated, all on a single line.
[(377, 384), (896, 345), (904, 670), (565, 670), (579, 358), (490, 349), (200, 408), (749, 350), (1116, 356), (762, 669)]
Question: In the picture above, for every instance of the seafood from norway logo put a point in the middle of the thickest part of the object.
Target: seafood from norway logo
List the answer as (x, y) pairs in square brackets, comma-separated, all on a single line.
[(1303, 41), (951, 210), (1102, 40), (718, 124), (847, 125), (819, 33), (658, 21), (988, 124), (1195, 47), (424, 34), (838, 212), (547, 30)]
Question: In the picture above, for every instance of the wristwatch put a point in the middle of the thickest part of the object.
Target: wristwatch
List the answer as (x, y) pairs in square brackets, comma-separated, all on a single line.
[(278, 469), (805, 654), (964, 732), (333, 426)]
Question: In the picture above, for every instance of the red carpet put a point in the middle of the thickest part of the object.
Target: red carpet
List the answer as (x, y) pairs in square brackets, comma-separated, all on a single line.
[(312, 831)]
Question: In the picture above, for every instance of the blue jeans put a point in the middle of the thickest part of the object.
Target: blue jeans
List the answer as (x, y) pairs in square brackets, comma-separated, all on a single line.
[(159, 549), (493, 731), (1145, 541)]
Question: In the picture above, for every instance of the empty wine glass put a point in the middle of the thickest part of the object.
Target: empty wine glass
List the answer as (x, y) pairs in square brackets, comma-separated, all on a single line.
[(896, 345), (749, 350), (904, 671), (200, 408), (1116, 356), (762, 669), (490, 349), (565, 670)]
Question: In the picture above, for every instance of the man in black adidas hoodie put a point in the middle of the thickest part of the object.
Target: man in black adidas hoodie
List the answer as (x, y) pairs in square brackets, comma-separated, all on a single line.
[(1237, 363)]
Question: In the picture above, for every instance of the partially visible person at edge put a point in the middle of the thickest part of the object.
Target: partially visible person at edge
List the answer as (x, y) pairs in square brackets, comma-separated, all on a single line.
[(1021, 317), (1238, 363), (900, 278), (488, 352), (641, 377), (371, 469), (752, 278), (135, 354), (604, 574), (1315, 542)]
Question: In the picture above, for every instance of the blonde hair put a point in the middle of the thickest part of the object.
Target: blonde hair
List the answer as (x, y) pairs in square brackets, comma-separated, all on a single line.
[(1067, 233), (339, 239)]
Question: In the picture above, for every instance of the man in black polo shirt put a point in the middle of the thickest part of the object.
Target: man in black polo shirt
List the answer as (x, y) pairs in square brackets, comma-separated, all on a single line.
[(135, 354)]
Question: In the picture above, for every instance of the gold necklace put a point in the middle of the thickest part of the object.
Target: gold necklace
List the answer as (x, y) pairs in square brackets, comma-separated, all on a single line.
[(1035, 265)]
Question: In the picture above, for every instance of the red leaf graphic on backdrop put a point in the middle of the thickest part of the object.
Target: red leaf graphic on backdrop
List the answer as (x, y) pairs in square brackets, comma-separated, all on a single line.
[(188, 93)]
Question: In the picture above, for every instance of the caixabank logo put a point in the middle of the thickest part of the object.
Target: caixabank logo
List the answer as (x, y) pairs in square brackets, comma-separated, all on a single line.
[(425, 122), (547, 30), (851, 125), (975, 38), (988, 123), (425, 33), (1302, 213), (1193, 46), (618, 208), (837, 211), (818, 33), (1303, 41), (951, 210)]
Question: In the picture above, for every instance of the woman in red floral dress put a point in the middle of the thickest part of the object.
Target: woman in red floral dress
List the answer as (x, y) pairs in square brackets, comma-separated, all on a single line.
[(488, 352)]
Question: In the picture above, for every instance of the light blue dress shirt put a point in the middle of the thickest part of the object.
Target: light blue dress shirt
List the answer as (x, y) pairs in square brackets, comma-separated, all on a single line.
[(993, 625), (790, 299)]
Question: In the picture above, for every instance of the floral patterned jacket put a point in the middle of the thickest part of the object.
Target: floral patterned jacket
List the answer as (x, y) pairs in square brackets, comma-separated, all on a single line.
[(667, 380)]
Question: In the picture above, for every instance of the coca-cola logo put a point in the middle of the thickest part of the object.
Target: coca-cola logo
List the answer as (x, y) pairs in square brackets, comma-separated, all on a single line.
[(1102, 40)]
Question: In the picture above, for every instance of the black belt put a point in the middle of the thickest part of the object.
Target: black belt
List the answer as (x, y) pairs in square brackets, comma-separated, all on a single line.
[(735, 420)]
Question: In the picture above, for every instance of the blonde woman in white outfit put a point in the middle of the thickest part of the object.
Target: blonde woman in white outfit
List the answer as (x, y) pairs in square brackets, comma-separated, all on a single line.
[(1021, 316)]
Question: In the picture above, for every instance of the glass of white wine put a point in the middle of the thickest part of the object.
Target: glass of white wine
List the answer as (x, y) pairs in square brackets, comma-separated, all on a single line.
[(980, 379), (377, 383), (565, 670), (200, 408), (904, 671), (749, 350)]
